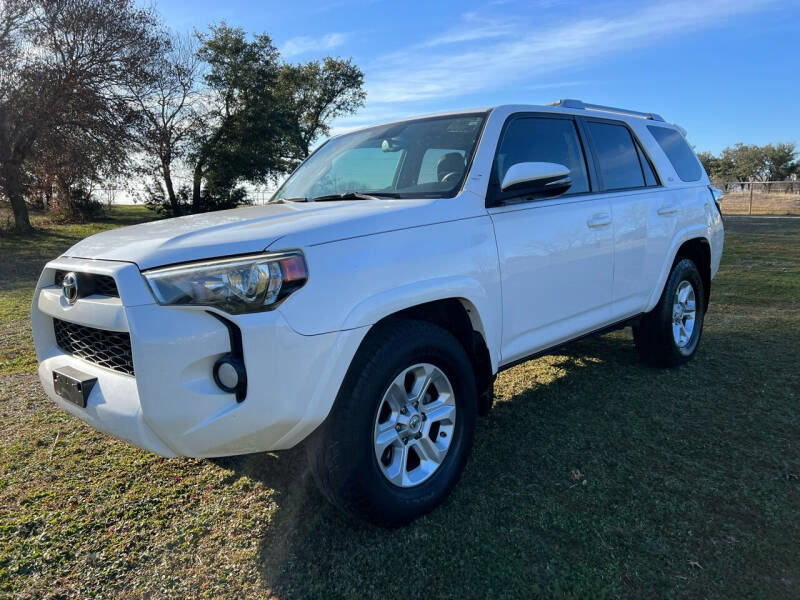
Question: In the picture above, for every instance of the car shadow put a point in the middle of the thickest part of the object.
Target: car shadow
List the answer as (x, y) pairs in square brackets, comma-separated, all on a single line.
[(309, 536), (585, 458)]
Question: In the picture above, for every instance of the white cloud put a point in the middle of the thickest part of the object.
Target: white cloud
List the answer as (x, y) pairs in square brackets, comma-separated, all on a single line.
[(473, 28), (505, 53), (305, 44)]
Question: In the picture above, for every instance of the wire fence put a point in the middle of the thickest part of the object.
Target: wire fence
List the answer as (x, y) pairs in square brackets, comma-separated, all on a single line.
[(760, 197)]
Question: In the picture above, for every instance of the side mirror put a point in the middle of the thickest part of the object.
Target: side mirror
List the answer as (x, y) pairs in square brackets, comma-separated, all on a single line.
[(539, 179)]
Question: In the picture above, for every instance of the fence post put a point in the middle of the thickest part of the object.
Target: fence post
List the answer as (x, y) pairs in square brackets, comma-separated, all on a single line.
[(750, 210)]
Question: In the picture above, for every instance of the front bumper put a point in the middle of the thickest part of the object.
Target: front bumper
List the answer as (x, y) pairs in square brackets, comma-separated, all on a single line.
[(172, 406)]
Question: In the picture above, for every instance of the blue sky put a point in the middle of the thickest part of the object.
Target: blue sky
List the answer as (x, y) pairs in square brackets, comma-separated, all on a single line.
[(726, 70)]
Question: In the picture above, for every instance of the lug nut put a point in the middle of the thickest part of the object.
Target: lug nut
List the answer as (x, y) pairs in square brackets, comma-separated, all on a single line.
[(405, 440), (419, 435), (404, 411), (398, 427), (424, 417)]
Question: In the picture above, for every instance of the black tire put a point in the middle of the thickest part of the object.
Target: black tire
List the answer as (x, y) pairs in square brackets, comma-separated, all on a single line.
[(653, 334), (341, 451)]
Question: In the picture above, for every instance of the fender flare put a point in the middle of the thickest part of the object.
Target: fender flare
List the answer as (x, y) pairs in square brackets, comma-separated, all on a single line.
[(469, 291)]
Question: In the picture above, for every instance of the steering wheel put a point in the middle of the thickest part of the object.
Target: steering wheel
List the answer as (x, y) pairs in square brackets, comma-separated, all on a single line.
[(452, 176)]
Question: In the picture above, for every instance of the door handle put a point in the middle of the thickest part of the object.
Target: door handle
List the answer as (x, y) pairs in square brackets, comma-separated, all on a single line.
[(599, 220), (668, 209)]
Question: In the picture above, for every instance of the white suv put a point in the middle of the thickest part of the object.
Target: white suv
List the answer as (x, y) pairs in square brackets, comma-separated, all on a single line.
[(369, 306)]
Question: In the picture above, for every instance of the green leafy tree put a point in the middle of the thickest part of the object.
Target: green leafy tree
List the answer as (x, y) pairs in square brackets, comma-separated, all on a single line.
[(749, 162), (244, 138), (263, 115), (780, 160), (710, 163), (316, 93), (744, 162)]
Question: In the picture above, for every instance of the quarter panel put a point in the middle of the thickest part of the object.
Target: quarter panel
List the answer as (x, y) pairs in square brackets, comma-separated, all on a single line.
[(681, 236)]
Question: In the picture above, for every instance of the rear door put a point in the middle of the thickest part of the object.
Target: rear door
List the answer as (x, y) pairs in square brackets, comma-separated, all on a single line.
[(556, 255), (634, 194)]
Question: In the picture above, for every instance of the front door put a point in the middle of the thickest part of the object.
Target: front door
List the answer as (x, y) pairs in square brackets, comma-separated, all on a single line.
[(556, 255)]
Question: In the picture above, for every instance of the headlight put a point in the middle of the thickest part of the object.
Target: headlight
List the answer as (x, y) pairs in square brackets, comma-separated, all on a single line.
[(236, 285)]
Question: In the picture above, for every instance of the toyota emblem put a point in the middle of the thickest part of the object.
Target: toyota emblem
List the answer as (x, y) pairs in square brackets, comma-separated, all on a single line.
[(70, 287)]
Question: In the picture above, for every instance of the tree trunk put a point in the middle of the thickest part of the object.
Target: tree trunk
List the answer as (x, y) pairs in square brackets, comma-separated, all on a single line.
[(63, 204), (197, 181), (12, 184), (173, 199)]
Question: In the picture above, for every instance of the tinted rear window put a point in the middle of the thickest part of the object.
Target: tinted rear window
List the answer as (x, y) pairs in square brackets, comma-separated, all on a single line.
[(677, 150), (616, 156)]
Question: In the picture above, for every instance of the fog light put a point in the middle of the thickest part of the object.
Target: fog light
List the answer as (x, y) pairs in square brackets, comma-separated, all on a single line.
[(229, 375)]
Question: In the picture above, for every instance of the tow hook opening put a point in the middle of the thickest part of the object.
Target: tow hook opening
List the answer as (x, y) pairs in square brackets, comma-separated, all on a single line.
[(230, 375)]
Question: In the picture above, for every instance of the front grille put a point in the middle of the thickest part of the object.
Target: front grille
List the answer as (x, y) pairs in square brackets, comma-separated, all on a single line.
[(111, 349), (101, 285)]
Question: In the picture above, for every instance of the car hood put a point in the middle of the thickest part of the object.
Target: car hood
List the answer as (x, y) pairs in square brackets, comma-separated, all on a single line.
[(246, 230)]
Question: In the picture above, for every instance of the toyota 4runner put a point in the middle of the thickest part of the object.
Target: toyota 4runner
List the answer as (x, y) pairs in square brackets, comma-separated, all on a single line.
[(367, 308)]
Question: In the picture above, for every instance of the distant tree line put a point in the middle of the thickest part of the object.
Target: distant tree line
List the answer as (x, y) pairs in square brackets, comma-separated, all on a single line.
[(94, 90), (752, 163)]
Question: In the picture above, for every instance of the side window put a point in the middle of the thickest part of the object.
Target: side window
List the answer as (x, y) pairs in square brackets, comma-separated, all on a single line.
[(650, 178), (678, 152), (616, 156), (539, 139), (437, 163)]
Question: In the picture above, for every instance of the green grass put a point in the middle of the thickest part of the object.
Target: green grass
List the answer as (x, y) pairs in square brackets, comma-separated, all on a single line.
[(593, 477)]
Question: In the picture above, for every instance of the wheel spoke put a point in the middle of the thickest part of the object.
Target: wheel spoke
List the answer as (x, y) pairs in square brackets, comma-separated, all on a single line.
[(423, 383), (676, 332), (396, 395), (683, 291), (386, 437), (427, 450), (396, 472), (441, 412)]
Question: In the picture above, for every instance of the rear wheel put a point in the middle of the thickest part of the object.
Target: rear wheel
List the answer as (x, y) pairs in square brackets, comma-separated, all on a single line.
[(401, 428), (668, 335)]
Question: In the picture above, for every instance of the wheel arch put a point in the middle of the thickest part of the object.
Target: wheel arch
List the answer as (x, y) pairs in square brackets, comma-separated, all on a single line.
[(698, 250), (692, 243), (460, 317)]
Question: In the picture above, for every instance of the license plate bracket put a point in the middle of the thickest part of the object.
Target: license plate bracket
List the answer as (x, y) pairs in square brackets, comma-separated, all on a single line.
[(73, 385)]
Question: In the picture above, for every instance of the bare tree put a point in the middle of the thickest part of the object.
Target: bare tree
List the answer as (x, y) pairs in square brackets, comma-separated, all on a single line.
[(170, 109), (65, 65), (16, 78)]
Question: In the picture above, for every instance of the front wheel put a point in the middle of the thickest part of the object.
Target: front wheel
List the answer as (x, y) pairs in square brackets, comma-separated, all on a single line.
[(668, 335), (401, 428)]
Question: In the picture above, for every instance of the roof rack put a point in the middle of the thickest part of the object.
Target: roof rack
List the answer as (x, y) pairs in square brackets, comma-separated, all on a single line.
[(570, 103)]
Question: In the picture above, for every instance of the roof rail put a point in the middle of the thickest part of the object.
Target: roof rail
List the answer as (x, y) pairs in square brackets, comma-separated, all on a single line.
[(570, 103)]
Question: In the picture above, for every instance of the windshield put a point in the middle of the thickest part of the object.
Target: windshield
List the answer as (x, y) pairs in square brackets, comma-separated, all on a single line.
[(425, 158)]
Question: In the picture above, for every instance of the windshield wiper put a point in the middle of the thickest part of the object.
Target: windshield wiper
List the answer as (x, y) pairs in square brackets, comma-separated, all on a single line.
[(356, 196)]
